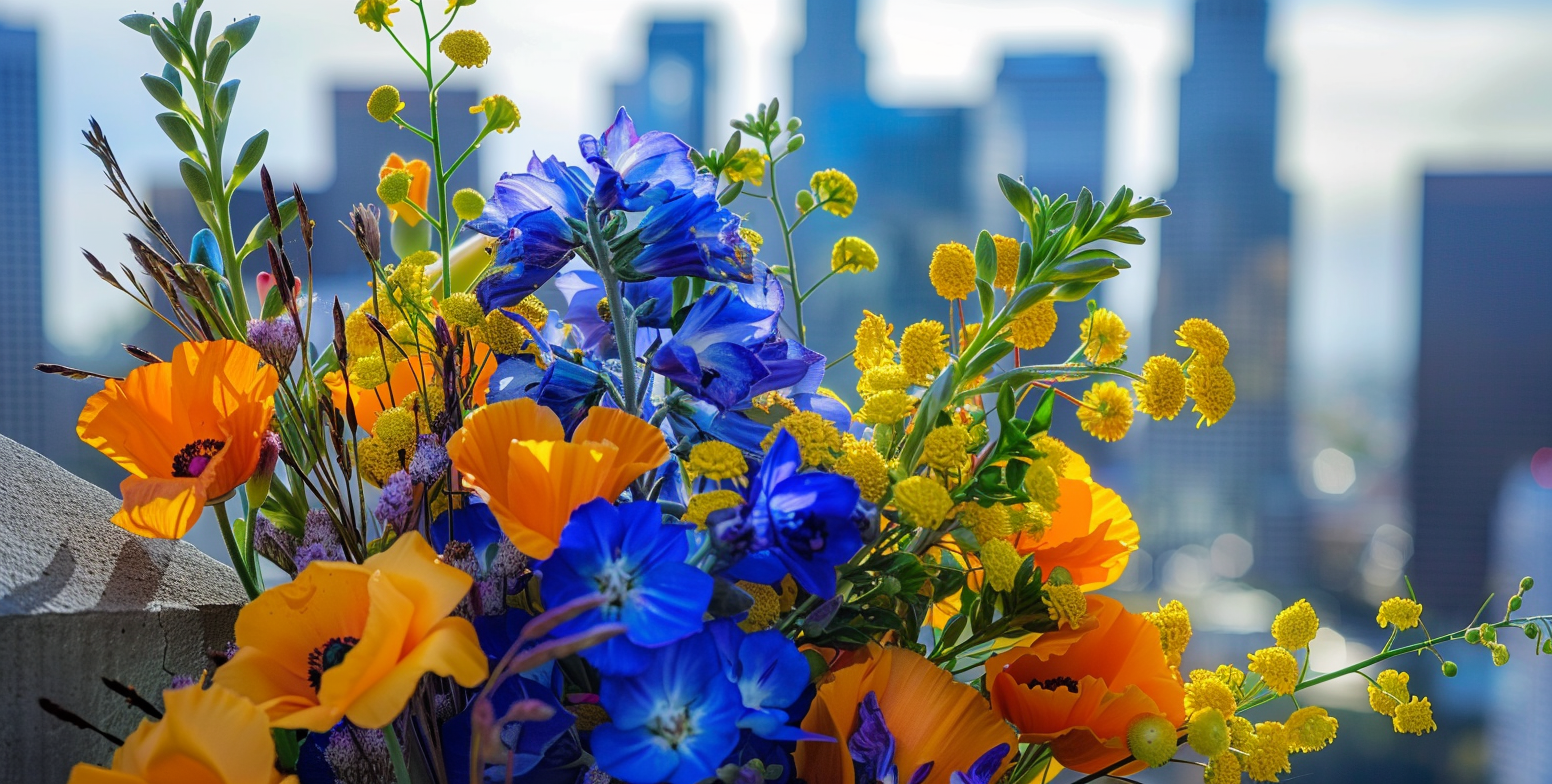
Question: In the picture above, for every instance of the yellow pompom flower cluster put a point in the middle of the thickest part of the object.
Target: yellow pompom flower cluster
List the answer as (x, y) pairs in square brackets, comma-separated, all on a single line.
[(986, 522), (1007, 262), (468, 204), (854, 255), (1208, 733), (1277, 668), (1212, 388), (1204, 338), (1033, 327), (1389, 690), (886, 407), (375, 13), (944, 448), (702, 505), (1174, 625), (766, 608), (466, 48), (1162, 391), (922, 501), (1106, 413), (1066, 605), (952, 271), (462, 309), (1310, 728), (1211, 691), (755, 240), (716, 460), (860, 461), (1402, 613), (1001, 563), (505, 336), (1295, 626), (746, 165), (1104, 337), (384, 103), (836, 193), (1415, 717), (923, 351), (882, 379), (818, 439), (874, 345)]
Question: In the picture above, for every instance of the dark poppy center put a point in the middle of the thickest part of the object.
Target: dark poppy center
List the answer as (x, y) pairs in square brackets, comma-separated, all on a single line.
[(1061, 682), (194, 456), (325, 656)]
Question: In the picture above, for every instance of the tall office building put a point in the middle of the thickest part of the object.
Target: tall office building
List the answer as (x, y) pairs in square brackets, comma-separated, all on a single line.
[(910, 165), (1484, 365), (1519, 708), (1224, 257), (23, 409), (671, 93)]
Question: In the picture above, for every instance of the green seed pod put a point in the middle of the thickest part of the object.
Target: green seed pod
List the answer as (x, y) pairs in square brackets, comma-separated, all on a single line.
[(1450, 669), (1526, 584), (1515, 602), (1489, 634), (1473, 636), (1532, 631)]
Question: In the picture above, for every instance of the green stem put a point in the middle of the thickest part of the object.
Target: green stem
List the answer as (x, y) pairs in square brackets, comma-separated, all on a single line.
[(623, 318), (811, 289), (444, 245), (401, 771), (786, 241), (238, 563)]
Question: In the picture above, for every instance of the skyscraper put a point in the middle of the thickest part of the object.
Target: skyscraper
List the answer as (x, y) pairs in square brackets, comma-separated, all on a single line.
[(671, 93), (1224, 257), (1484, 365), (23, 408), (1519, 708)]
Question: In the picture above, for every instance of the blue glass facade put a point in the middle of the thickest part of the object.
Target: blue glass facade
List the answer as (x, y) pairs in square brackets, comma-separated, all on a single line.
[(1224, 257), (671, 93), (1484, 307), (23, 405)]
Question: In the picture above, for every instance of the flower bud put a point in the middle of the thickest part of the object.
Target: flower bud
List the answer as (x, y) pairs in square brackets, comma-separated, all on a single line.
[(466, 48), (1515, 603), (269, 454), (1151, 739), (1449, 669), (1473, 636), (1532, 631), (1525, 584), (1546, 647), (395, 188), (468, 203), (1488, 632), (384, 103)]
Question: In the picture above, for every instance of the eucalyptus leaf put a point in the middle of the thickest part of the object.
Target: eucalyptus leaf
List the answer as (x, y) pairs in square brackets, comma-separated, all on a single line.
[(140, 23), (240, 32), (178, 130), (163, 91), (248, 158), (166, 46), (263, 231), (195, 179)]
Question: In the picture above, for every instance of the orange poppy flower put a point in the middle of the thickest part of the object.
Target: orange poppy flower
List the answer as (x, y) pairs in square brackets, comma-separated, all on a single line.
[(352, 641), (405, 378), (188, 431), (206, 736), (515, 455), (932, 717), (1079, 693), (1092, 534), (420, 187)]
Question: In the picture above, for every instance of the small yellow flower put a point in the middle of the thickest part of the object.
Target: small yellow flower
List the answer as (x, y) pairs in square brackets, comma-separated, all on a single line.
[(1500, 653), (702, 505), (1231, 675), (886, 408), (1204, 337), (1007, 262), (395, 188), (1294, 627), (752, 237), (462, 309), (874, 346), (1206, 691), (369, 372), (952, 271), (1174, 625), (374, 13), (1106, 413), (1001, 563), (1223, 769), (1208, 733), (882, 378), (1311, 729), (1391, 692), (396, 428), (923, 351), (1242, 734), (1415, 717), (384, 103), (922, 501), (453, 5), (767, 606), (1151, 739), (466, 48), (533, 309), (1277, 668), (986, 522), (854, 255), (1404, 613), (1055, 452), (1032, 520), (836, 193), (1042, 486), (468, 204), (505, 336), (944, 448), (377, 462), (746, 165), (1269, 753), (717, 460), (863, 463), (1162, 391), (501, 115), (818, 439), (1104, 337), (1212, 387), (1034, 327), (1066, 605)]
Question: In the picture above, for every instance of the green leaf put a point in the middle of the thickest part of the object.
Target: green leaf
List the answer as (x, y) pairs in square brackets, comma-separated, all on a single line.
[(195, 179), (733, 143), (1041, 421), (171, 74), (239, 33), (215, 65), (1080, 270), (263, 231), (178, 130), (1072, 292), (163, 91), (202, 33), (1085, 206), (1030, 295), (1019, 196), (273, 304), (140, 23), (985, 257), (225, 97), (248, 157), (984, 295), (732, 193), (1124, 234), (166, 46)]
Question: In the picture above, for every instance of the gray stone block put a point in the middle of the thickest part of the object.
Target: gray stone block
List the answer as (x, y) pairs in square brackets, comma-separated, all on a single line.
[(81, 599)]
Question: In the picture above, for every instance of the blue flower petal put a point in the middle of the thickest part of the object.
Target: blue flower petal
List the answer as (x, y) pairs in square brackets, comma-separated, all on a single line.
[(633, 756)]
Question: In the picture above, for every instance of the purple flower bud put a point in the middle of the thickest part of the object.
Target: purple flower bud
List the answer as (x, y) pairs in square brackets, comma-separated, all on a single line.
[(275, 339), (356, 754), (319, 529), (397, 501), (274, 543), (430, 460), (318, 552), (269, 454)]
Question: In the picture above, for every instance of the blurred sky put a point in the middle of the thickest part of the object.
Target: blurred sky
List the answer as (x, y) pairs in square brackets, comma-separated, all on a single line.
[(1373, 91)]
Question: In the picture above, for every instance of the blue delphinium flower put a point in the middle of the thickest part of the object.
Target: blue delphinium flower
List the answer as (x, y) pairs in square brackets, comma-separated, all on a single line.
[(527, 215), (673, 722), (584, 291), (799, 523), (872, 746), (627, 554), (771, 675), (710, 355), (983, 769), (473, 523), (693, 234), (567, 388), (637, 171), (542, 752)]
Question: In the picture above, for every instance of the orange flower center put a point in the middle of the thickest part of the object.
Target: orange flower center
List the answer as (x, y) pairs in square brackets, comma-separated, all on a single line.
[(329, 654), (194, 456)]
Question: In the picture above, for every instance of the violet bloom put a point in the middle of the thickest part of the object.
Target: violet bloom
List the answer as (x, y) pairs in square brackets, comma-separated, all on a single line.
[(636, 171)]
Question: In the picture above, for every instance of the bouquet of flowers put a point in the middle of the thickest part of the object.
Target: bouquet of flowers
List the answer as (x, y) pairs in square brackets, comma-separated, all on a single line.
[(625, 533)]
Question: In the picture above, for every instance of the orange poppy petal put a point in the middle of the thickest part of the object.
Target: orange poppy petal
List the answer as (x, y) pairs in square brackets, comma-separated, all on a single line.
[(160, 508), (642, 446), (375, 654), (83, 773), (217, 730), (434, 589), (451, 649), (130, 422), (557, 477)]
